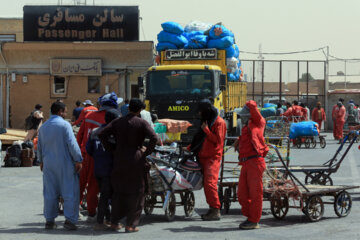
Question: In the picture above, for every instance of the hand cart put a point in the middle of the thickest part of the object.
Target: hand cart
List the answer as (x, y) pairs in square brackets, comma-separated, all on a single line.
[(162, 195), (230, 170), (320, 174), (308, 198), (311, 141)]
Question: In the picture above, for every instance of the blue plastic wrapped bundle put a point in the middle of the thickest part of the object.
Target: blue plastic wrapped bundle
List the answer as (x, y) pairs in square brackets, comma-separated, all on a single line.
[(178, 40), (219, 31), (221, 43), (164, 46), (172, 27), (266, 105), (268, 111), (271, 123), (231, 77), (196, 39), (303, 129), (232, 51)]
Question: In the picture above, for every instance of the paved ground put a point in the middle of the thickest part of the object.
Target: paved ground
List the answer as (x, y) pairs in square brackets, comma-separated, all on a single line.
[(21, 206)]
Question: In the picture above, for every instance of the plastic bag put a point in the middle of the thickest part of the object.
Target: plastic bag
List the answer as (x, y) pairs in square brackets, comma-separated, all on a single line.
[(159, 128), (161, 46), (180, 183), (221, 43), (219, 31), (197, 41), (178, 40), (172, 27), (232, 62), (266, 105), (303, 129), (197, 26), (231, 77)]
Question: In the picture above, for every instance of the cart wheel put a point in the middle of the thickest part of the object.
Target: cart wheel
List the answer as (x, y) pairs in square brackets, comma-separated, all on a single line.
[(61, 206), (298, 142), (171, 208), (221, 197), (279, 206), (322, 142), (342, 204), (189, 203), (307, 142), (313, 143), (318, 179), (149, 204), (314, 208), (227, 200)]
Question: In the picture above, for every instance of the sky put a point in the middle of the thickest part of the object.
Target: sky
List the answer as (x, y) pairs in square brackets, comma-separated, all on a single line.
[(278, 25)]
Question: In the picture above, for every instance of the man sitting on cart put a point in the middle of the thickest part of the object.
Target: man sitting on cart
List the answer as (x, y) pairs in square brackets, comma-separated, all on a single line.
[(208, 143), (252, 150)]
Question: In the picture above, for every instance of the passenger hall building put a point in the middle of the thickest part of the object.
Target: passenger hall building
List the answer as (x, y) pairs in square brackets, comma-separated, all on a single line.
[(69, 53)]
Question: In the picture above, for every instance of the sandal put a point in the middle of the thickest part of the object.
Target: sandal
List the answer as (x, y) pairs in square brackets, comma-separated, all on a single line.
[(129, 229)]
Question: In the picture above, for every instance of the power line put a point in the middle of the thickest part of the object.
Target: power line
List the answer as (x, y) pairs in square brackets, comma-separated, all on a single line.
[(283, 53)]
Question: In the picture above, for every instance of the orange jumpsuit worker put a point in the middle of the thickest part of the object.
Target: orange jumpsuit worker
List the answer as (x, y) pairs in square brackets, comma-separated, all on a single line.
[(318, 115), (252, 150), (209, 143), (89, 107), (338, 115), (87, 179), (295, 112)]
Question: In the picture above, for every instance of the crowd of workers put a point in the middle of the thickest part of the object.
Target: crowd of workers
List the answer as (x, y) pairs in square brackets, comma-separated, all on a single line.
[(108, 157)]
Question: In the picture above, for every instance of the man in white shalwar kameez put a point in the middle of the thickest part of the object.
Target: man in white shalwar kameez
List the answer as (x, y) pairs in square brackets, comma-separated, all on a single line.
[(60, 158)]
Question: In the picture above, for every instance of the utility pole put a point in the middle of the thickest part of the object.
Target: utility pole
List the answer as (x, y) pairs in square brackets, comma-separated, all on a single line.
[(345, 74)]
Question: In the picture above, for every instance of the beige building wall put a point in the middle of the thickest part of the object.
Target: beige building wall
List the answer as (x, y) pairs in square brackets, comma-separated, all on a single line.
[(12, 26)]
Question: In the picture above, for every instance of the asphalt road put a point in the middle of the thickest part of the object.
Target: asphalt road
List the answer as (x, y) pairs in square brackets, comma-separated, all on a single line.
[(21, 207)]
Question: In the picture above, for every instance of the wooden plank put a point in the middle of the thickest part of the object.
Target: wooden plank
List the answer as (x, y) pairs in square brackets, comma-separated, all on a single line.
[(16, 132)]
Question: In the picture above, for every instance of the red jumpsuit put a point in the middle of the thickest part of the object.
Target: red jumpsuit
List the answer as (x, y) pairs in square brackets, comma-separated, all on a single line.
[(338, 115), (318, 116), (210, 157), (87, 178), (83, 114), (252, 150), (295, 113)]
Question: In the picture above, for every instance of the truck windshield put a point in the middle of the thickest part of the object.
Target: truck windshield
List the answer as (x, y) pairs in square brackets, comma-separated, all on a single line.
[(189, 82)]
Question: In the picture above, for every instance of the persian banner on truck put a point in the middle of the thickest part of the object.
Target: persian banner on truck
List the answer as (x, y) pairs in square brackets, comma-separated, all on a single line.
[(194, 54), (81, 23)]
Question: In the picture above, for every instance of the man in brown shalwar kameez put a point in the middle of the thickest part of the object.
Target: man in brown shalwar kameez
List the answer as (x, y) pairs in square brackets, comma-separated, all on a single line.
[(129, 165)]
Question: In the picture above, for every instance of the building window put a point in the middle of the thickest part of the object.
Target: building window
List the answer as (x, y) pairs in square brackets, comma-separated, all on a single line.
[(59, 85), (7, 37), (93, 84)]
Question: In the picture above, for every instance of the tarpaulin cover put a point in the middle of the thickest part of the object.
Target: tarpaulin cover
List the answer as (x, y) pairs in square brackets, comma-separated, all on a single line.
[(303, 129), (268, 112)]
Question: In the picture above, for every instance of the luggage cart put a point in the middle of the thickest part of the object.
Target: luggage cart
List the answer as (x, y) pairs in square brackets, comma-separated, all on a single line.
[(162, 195), (320, 174), (308, 198), (311, 141)]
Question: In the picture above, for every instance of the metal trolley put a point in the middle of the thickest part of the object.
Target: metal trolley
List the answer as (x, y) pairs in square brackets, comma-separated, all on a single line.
[(308, 198), (320, 174), (162, 195), (230, 170)]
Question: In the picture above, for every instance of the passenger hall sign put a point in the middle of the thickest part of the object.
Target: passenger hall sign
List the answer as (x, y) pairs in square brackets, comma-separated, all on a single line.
[(81, 23)]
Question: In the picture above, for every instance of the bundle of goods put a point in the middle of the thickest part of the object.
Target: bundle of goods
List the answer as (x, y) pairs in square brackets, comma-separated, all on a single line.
[(303, 129), (160, 130), (268, 111), (198, 35), (174, 128), (171, 37), (20, 154)]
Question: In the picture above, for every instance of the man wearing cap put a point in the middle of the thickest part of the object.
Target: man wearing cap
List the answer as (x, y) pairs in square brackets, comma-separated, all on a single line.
[(208, 145), (129, 165), (36, 121), (93, 120), (89, 107), (252, 150), (338, 117)]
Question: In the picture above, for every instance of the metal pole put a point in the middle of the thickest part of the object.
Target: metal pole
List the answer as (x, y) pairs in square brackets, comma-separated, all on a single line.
[(280, 87), (326, 104), (345, 74), (1, 102), (7, 99)]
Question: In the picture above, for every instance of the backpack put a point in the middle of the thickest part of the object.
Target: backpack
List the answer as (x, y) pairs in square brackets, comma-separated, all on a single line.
[(29, 122)]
